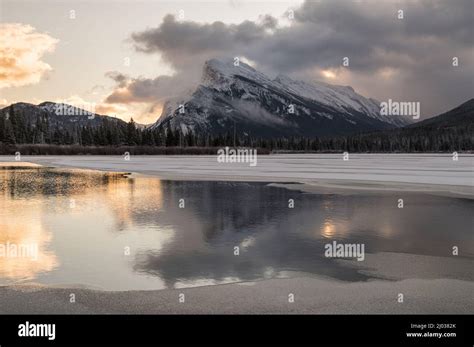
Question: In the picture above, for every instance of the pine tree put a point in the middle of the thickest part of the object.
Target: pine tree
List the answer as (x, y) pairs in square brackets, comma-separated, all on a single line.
[(131, 133), (2, 129), (9, 133)]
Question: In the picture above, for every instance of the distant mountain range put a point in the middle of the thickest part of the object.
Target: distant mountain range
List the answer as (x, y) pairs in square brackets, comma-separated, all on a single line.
[(461, 117), (239, 96), (55, 123), (60, 116), (450, 131), (241, 99)]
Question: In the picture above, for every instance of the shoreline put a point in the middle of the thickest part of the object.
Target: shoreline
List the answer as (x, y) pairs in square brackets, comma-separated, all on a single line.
[(311, 296), (430, 285), (433, 174)]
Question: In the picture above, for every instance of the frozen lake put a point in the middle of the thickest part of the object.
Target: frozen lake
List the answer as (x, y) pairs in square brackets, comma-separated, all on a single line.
[(417, 169), (111, 232)]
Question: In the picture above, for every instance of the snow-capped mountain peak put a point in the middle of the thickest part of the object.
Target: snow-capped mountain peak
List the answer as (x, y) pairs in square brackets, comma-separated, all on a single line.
[(241, 96), (217, 72), (341, 97)]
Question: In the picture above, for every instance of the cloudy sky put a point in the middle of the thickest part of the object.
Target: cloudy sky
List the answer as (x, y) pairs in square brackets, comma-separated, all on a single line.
[(127, 57)]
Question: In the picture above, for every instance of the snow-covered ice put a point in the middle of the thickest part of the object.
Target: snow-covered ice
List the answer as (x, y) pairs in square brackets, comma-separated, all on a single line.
[(417, 170)]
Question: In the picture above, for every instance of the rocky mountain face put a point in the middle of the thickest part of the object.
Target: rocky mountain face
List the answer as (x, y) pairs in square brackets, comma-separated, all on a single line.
[(239, 98)]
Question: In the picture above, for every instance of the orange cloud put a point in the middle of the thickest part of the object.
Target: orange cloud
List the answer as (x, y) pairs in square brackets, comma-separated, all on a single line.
[(21, 51)]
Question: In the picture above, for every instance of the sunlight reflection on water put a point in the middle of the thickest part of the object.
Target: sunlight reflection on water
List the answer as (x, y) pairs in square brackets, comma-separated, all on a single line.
[(108, 231)]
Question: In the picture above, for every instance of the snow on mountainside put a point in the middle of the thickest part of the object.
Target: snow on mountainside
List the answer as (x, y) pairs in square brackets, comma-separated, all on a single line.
[(64, 109), (343, 98), (239, 96)]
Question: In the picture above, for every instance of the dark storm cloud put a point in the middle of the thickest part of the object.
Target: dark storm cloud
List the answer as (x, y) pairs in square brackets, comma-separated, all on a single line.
[(145, 89), (364, 30), (407, 59), (268, 21), (185, 44), (118, 77)]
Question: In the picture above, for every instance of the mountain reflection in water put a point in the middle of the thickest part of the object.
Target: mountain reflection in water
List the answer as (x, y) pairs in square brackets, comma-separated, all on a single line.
[(84, 222)]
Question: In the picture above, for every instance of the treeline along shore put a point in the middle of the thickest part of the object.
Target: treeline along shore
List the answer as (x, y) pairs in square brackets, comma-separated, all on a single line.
[(45, 149), (105, 141), (20, 132)]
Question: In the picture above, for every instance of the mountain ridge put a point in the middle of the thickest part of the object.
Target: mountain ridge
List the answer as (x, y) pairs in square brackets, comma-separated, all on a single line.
[(240, 96)]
